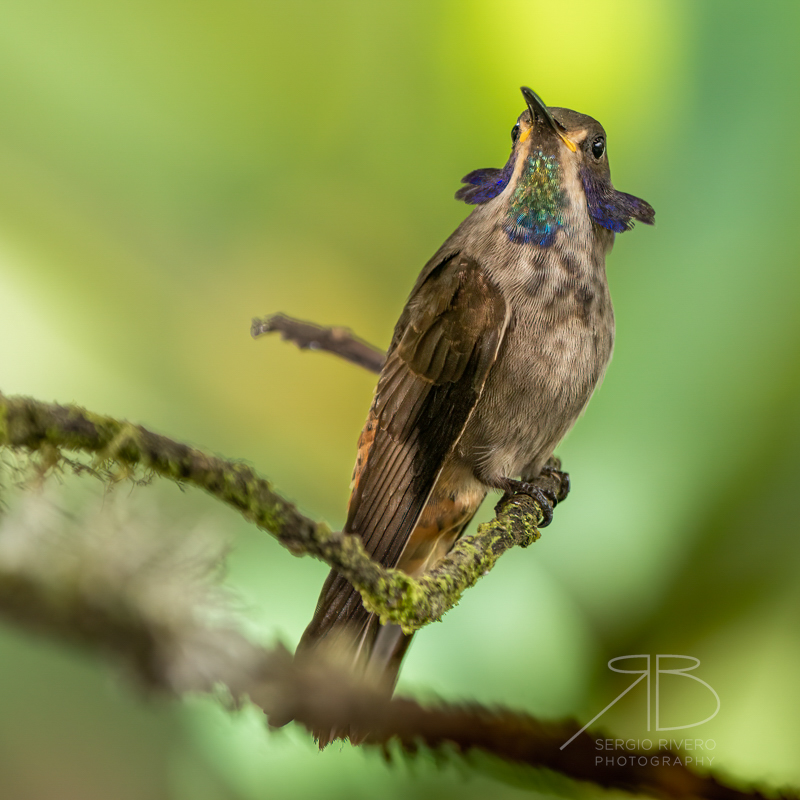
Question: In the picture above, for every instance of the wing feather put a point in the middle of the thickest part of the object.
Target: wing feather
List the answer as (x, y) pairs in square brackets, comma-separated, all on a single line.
[(443, 348)]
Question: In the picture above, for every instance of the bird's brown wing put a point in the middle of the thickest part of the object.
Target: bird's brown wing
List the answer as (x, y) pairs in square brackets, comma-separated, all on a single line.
[(443, 348)]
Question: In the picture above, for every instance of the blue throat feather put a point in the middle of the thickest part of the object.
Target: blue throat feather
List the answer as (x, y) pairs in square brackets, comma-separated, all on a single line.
[(611, 209), (535, 213), (485, 184)]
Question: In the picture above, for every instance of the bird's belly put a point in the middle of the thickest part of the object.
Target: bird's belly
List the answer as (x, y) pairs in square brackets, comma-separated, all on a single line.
[(541, 382)]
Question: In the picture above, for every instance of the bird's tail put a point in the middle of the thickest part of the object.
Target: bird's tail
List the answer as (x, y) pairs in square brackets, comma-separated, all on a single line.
[(376, 651)]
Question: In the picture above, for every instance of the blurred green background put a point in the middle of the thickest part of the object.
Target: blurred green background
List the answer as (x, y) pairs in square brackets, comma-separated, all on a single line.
[(170, 169)]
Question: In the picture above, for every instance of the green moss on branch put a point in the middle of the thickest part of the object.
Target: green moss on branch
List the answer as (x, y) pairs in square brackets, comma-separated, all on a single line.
[(32, 426)]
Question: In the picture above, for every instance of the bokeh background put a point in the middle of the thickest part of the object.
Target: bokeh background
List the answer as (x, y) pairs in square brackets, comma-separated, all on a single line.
[(171, 169)]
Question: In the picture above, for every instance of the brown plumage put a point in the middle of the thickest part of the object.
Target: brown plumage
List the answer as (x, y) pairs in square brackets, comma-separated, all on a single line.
[(499, 348)]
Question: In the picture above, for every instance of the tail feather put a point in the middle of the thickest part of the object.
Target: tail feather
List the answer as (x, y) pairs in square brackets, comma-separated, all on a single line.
[(377, 650)]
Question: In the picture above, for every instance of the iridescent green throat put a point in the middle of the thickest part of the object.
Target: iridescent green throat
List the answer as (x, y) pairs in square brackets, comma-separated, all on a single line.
[(536, 211)]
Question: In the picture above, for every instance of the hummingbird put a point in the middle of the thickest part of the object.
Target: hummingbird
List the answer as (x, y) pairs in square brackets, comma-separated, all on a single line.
[(504, 338)]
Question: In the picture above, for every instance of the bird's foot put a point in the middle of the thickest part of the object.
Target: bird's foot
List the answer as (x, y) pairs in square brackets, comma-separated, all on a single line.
[(552, 469), (545, 498)]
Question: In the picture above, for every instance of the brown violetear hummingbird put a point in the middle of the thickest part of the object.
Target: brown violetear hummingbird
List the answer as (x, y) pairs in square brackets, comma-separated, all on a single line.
[(505, 336)]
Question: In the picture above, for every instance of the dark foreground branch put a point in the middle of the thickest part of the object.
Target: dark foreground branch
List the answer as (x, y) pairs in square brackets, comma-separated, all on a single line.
[(154, 624), (322, 698), (29, 425)]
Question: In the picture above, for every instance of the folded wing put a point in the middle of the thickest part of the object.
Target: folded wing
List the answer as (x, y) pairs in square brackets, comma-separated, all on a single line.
[(442, 351)]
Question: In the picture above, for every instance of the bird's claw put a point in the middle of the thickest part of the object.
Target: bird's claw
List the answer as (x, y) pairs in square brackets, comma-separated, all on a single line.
[(553, 470), (545, 499)]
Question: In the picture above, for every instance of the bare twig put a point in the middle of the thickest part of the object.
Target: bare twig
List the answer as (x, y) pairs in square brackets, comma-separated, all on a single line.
[(31, 426), (308, 336)]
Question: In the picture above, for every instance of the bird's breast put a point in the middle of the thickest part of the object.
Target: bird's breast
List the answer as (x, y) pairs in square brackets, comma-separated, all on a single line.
[(553, 356)]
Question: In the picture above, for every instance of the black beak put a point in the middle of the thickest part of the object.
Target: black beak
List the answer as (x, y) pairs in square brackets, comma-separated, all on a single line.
[(539, 110)]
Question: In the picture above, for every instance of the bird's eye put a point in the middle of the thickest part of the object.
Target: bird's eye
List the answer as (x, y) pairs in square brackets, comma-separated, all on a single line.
[(598, 147), (515, 133)]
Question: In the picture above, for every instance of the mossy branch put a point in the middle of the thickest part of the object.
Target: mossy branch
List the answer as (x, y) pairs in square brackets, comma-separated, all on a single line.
[(33, 426)]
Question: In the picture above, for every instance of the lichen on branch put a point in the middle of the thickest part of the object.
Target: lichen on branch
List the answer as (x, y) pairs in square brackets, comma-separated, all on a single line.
[(31, 426)]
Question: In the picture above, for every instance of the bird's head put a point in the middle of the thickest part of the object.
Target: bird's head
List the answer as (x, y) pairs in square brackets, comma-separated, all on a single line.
[(548, 146)]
